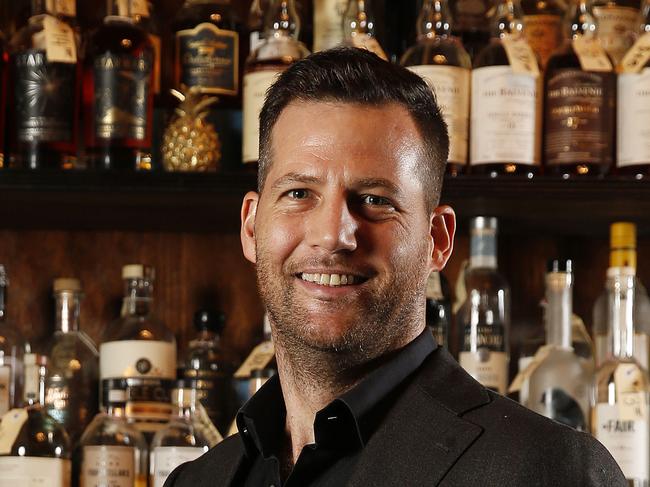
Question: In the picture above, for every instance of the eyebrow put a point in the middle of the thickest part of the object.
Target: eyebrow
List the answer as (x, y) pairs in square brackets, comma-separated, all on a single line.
[(377, 183), (294, 177)]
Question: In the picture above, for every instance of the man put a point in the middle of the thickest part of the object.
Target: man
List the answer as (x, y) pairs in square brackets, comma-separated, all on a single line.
[(344, 232)]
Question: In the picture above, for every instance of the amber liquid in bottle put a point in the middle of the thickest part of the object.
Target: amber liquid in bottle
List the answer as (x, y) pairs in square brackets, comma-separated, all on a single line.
[(543, 27)]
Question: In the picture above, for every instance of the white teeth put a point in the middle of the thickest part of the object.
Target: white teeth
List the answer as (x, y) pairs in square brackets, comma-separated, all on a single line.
[(329, 279), (344, 280), (325, 279), (335, 280)]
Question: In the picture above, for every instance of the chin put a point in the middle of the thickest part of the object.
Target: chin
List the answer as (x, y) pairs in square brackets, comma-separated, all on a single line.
[(338, 338)]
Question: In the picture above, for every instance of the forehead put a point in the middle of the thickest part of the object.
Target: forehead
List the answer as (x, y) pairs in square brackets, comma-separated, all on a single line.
[(345, 138)]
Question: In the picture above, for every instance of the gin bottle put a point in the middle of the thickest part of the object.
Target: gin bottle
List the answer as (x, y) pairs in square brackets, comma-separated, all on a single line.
[(11, 354)]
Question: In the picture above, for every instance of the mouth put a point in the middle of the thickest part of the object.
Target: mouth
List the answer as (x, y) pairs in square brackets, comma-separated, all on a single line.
[(332, 280)]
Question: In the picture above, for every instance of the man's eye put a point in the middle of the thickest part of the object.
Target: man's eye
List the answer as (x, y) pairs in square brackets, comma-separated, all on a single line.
[(298, 194), (373, 200)]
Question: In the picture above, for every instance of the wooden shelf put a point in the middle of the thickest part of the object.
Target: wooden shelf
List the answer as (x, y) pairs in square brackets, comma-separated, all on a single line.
[(211, 202)]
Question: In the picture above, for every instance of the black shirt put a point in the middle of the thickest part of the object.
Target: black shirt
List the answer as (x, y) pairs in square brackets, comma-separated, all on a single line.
[(341, 429)]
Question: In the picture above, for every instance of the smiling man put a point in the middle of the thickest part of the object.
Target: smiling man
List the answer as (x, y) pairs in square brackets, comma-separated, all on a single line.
[(344, 231)]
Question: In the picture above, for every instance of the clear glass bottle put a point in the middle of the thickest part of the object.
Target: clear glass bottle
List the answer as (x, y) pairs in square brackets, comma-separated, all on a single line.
[(438, 308), (328, 23), (543, 26), (441, 59), (40, 451), (560, 387), (359, 29), (111, 451), (579, 106), (484, 318), (623, 260), (510, 143), (181, 440), (72, 386), (117, 92), (620, 418), (141, 349), (618, 23), (277, 52), (212, 367), (12, 348), (45, 82)]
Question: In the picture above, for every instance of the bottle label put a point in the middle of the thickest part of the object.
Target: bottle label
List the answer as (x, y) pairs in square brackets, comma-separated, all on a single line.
[(44, 98), (483, 248), (60, 44), (520, 56), (591, 54), (66, 8), (137, 358), (255, 85), (30, 386), (579, 117), (484, 357), (369, 43), (617, 27), (626, 440), (5, 387), (633, 111), (71, 398), (328, 23), (544, 34), (167, 458), (452, 87), (638, 56), (12, 423), (259, 358), (34, 472), (112, 466), (122, 96), (132, 8), (505, 117), (208, 59)]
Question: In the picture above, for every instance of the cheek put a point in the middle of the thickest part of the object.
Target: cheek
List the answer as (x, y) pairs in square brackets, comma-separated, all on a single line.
[(278, 239)]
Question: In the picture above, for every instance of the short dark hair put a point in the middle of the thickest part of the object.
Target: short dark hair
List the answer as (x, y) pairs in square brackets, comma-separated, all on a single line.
[(353, 75)]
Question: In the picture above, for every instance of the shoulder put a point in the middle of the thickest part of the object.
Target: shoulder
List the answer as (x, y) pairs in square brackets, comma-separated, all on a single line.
[(216, 467)]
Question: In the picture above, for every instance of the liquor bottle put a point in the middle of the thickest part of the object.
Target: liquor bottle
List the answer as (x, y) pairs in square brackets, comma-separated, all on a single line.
[(255, 23), (144, 16), (633, 142), (11, 354), (111, 451), (471, 24), (211, 367), (543, 27), (44, 104), (117, 92), (505, 92), (71, 388), (4, 72), (438, 308), (36, 449), (484, 318), (328, 23), (279, 49), (620, 400), (618, 24), (141, 349), (579, 90), (560, 387), (359, 29), (181, 440), (441, 59), (623, 260)]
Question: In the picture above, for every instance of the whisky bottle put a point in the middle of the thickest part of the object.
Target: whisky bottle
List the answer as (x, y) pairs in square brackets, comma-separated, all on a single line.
[(438, 308), (505, 135), (112, 452), (484, 318), (623, 260), (633, 142), (543, 26), (35, 449), (142, 350), (471, 24), (328, 23), (117, 92), (181, 440), (72, 387), (144, 16), (560, 387), (359, 29), (255, 23), (620, 400), (11, 354), (279, 49), (618, 24), (440, 58), (44, 103), (4, 73), (579, 89), (211, 367)]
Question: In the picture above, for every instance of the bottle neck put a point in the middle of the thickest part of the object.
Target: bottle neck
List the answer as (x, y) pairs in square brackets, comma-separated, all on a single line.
[(359, 19), (116, 410), (483, 249), (138, 297), (645, 15), (435, 20), (185, 402), (559, 309), (581, 21), (621, 315), (282, 19), (42, 374), (68, 305), (508, 20)]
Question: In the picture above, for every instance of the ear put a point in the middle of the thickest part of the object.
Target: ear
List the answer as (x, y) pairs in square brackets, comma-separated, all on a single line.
[(247, 232), (443, 230)]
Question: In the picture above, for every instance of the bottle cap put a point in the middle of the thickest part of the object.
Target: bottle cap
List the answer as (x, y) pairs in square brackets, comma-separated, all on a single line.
[(484, 223), (622, 235), (70, 284), (209, 320), (138, 271), (560, 265)]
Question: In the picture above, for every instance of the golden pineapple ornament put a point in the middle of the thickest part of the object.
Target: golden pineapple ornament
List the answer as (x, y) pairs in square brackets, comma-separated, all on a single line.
[(190, 142)]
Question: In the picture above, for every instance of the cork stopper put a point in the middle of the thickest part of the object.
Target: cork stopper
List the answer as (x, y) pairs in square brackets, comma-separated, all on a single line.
[(69, 284), (133, 271)]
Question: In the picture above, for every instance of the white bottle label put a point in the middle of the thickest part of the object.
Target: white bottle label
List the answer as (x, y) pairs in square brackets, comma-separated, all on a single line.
[(30, 386), (487, 367), (627, 441), (5, 387), (451, 86), (137, 358), (167, 458), (34, 472), (255, 86), (328, 23), (633, 114), (61, 7), (505, 117), (112, 466), (591, 55), (60, 44), (617, 27)]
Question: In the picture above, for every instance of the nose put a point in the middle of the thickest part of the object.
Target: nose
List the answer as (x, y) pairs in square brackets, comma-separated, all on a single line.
[(332, 226)]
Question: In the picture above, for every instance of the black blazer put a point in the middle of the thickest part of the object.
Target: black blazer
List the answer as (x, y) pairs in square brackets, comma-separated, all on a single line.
[(448, 430)]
